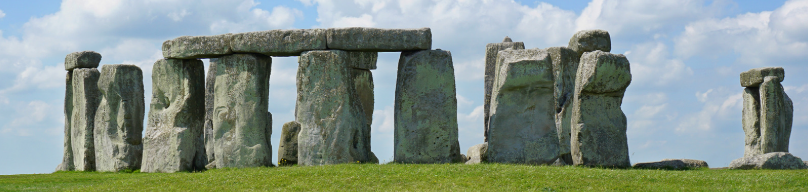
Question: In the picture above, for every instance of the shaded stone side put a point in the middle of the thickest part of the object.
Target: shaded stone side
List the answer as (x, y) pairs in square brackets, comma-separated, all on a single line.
[(590, 40), (491, 51), (363, 84), (522, 127), (598, 122), (210, 81), (773, 160), (279, 42), (82, 59), (426, 108), (176, 117), (379, 40), (330, 113), (196, 47), (287, 151), (776, 112), (751, 121), (565, 67), (240, 111), (119, 118), (86, 98), (67, 157)]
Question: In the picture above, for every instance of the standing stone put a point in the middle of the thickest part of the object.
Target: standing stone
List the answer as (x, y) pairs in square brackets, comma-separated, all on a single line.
[(210, 81), (476, 154), (426, 108), (83, 59), (287, 151), (598, 123), (176, 117), (751, 121), (332, 120), (590, 40), (522, 117), (86, 98), (268, 133), (773, 160), (240, 111), (565, 67), (119, 118), (67, 158), (491, 51), (196, 47), (768, 111), (379, 40), (279, 42)]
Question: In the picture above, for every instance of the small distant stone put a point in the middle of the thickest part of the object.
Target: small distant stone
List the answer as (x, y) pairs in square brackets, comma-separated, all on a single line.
[(82, 59), (590, 40), (673, 164), (476, 154), (754, 77), (774, 160)]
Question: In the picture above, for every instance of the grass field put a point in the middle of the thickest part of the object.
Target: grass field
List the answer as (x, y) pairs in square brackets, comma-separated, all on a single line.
[(404, 177)]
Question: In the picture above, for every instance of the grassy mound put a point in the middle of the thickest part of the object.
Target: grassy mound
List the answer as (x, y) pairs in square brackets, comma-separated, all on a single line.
[(405, 177)]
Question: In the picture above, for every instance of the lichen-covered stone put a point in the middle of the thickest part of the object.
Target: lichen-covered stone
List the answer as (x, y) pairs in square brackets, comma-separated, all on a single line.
[(240, 111), (67, 157), (522, 127), (363, 83), (363, 60), (598, 122), (176, 117), (287, 151), (119, 118), (332, 120), (86, 97), (774, 160), (426, 108), (210, 81), (565, 67), (279, 42), (590, 40), (754, 77), (672, 164), (196, 47), (82, 59), (476, 154), (491, 51), (379, 40), (751, 121), (776, 113)]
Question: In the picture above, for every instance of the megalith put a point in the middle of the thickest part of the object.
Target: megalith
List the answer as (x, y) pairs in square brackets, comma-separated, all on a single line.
[(773, 160), (240, 115), (279, 42), (767, 111), (210, 81), (287, 151), (86, 98), (491, 51), (522, 125), (67, 157), (565, 66), (333, 127), (598, 123), (173, 138), (476, 154), (379, 40), (195, 47), (82, 59), (119, 118), (590, 40), (426, 108)]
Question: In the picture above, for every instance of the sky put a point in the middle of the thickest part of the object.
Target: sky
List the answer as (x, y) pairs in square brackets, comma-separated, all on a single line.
[(684, 100)]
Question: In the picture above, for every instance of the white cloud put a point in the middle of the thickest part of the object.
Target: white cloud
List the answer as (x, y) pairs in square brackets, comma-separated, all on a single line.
[(721, 106), (383, 120), (2, 14), (651, 64), (633, 18)]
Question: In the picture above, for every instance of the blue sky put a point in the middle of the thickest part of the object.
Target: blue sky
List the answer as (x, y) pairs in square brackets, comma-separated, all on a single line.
[(684, 100)]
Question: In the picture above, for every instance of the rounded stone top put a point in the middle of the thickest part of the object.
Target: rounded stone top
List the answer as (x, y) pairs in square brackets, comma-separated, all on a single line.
[(507, 39)]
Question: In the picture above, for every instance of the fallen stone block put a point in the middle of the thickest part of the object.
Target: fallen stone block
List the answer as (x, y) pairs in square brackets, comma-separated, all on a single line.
[(565, 67), (491, 51), (426, 109), (287, 151), (279, 42), (197, 47), (379, 40), (83, 59), (754, 77), (86, 98), (590, 40), (774, 160), (476, 154), (119, 118), (672, 164)]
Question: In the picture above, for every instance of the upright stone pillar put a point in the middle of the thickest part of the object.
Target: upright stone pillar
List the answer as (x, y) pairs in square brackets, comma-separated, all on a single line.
[(287, 151), (491, 51), (67, 158), (768, 111), (210, 81), (565, 66), (119, 118), (88, 60), (86, 98), (173, 140), (522, 128), (426, 108), (333, 126), (598, 123), (240, 111)]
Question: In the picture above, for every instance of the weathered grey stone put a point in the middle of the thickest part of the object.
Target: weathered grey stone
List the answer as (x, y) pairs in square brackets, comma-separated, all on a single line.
[(774, 160), (195, 47), (522, 127), (268, 133), (373, 158), (476, 154), (598, 123), (119, 118), (565, 67), (279, 42), (330, 113), (240, 111), (67, 157), (86, 97), (754, 77), (363, 83), (672, 164), (379, 40), (776, 112), (363, 60), (287, 151), (176, 117), (751, 121), (82, 59), (491, 51), (210, 81), (426, 108), (590, 40)]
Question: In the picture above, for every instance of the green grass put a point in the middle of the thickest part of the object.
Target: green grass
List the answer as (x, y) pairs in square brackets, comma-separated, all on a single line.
[(404, 177)]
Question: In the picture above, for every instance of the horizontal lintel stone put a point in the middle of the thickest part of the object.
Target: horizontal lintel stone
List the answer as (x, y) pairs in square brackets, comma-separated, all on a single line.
[(379, 40)]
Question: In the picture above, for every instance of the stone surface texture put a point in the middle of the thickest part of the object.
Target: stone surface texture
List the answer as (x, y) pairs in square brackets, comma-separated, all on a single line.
[(598, 123), (332, 121), (379, 40), (491, 51), (86, 97), (287, 149), (67, 152), (673, 164), (565, 66), (767, 112), (774, 160), (210, 81), (240, 115), (426, 109), (590, 40), (476, 154), (82, 59), (119, 118), (522, 125), (754, 77), (279, 42), (173, 138), (196, 47)]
